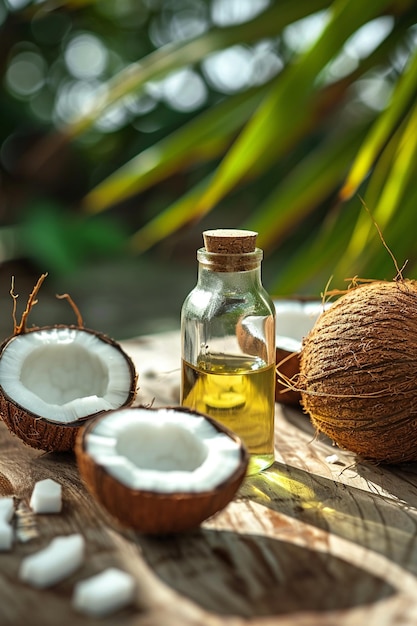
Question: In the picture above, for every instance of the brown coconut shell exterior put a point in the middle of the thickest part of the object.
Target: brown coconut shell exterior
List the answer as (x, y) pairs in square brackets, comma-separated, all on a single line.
[(288, 364), (150, 512), (358, 371), (44, 434)]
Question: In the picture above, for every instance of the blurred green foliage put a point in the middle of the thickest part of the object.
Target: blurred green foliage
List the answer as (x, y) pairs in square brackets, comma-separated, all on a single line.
[(128, 126)]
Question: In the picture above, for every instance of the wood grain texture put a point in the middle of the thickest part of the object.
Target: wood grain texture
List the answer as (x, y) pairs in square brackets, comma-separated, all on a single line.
[(308, 542)]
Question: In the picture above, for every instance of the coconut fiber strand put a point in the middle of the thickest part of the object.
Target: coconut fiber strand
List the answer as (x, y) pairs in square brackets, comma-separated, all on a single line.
[(358, 371)]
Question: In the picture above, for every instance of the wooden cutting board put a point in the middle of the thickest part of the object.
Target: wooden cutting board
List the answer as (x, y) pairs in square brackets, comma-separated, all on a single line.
[(319, 539)]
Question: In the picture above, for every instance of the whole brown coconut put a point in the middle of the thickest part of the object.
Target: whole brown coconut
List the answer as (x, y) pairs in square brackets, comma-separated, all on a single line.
[(358, 371)]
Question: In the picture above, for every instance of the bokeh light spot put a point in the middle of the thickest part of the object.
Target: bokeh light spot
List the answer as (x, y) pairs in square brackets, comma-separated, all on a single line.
[(25, 74), (86, 56), (229, 70), (228, 12), (184, 90)]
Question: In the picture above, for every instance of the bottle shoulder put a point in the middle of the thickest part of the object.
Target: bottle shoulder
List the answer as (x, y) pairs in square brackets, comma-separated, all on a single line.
[(214, 304)]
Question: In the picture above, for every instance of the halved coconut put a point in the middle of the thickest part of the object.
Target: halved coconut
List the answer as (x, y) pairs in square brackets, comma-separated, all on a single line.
[(52, 379), (160, 471), (294, 320)]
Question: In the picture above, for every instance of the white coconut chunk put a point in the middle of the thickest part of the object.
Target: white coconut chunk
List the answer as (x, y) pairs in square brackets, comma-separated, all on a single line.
[(169, 451), (46, 497), (288, 344), (6, 509), (295, 319), (61, 558), (6, 536), (105, 593), (64, 374), (332, 459)]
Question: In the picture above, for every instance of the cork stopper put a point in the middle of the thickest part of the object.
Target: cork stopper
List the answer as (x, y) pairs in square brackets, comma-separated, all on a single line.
[(229, 250), (230, 241)]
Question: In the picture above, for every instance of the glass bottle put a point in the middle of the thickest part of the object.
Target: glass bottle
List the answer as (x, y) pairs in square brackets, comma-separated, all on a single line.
[(228, 342)]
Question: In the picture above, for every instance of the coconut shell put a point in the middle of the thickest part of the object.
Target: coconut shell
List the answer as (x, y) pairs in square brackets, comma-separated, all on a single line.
[(44, 434), (36, 431), (358, 371), (294, 319), (150, 512), (288, 365)]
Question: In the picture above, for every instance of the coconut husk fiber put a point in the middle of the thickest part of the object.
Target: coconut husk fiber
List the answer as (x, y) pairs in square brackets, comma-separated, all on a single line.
[(358, 371)]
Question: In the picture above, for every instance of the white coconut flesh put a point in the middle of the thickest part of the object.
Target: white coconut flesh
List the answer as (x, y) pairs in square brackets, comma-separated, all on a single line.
[(64, 374), (163, 451), (294, 320)]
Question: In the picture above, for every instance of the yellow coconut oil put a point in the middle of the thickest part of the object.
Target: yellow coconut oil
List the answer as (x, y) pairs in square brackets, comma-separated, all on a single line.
[(236, 391)]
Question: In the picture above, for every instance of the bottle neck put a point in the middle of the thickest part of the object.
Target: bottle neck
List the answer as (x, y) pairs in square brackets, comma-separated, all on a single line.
[(231, 273), (229, 263)]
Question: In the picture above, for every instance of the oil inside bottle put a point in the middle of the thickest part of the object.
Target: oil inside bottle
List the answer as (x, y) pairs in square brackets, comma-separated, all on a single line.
[(236, 391)]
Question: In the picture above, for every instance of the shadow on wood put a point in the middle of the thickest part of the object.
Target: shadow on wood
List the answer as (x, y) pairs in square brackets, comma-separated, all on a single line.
[(252, 576)]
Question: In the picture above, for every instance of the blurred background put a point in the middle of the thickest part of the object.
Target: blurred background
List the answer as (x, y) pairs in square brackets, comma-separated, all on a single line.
[(128, 127)]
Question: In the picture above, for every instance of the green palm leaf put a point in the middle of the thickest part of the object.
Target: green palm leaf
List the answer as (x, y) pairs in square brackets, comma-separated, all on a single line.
[(314, 179), (285, 108), (207, 136), (310, 268), (273, 217), (404, 95), (180, 54), (168, 221), (390, 202)]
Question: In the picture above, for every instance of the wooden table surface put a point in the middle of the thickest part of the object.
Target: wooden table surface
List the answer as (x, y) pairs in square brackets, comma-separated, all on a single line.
[(311, 541)]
